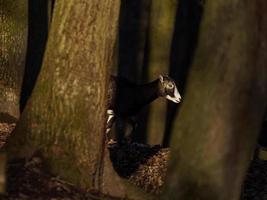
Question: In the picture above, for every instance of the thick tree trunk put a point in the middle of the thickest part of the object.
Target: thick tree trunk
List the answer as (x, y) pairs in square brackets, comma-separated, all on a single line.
[(224, 103), (65, 116), (162, 20), (13, 45)]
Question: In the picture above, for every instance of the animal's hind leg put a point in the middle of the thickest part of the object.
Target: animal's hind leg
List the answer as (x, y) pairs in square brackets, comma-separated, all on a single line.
[(130, 132)]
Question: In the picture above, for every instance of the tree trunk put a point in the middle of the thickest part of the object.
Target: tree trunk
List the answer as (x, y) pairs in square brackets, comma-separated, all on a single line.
[(2, 172), (162, 19), (13, 45), (132, 38), (65, 116), (39, 19), (224, 103), (184, 42)]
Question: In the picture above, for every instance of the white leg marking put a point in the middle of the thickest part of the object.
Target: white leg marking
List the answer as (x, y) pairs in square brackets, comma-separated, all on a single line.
[(110, 112), (111, 142), (109, 118), (108, 130)]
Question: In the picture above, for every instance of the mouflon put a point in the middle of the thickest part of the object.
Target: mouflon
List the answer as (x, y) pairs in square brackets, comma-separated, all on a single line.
[(126, 99)]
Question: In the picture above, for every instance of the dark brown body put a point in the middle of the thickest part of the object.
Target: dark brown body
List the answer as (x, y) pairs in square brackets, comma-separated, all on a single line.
[(126, 98)]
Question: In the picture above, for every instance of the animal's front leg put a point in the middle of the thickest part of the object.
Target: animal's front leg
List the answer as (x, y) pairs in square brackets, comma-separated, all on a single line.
[(110, 121)]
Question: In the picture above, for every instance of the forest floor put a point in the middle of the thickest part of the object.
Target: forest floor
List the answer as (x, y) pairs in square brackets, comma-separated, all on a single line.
[(146, 167)]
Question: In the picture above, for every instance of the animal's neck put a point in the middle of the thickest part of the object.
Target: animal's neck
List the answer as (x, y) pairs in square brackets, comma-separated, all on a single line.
[(148, 92)]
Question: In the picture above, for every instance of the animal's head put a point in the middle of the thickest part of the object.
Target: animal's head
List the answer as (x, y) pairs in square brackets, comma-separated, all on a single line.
[(168, 89)]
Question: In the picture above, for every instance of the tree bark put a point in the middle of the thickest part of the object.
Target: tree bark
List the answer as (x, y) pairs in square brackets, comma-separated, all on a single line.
[(2, 172), (65, 116), (162, 20), (184, 42), (13, 45), (224, 104)]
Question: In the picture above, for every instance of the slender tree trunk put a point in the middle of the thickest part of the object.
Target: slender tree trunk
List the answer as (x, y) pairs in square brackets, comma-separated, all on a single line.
[(184, 42), (133, 36), (224, 103), (162, 19), (39, 19), (65, 116), (13, 43)]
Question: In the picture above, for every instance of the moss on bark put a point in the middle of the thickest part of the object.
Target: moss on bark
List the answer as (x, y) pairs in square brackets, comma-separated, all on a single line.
[(64, 118), (13, 43)]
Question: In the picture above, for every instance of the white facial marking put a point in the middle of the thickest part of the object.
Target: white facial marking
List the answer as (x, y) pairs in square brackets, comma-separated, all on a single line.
[(177, 97), (177, 94)]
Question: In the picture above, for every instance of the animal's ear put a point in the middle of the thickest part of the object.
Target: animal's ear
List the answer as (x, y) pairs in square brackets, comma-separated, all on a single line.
[(161, 78)]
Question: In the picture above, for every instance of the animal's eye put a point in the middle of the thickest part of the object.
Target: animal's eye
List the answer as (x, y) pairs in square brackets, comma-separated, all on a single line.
[(170, 85)]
